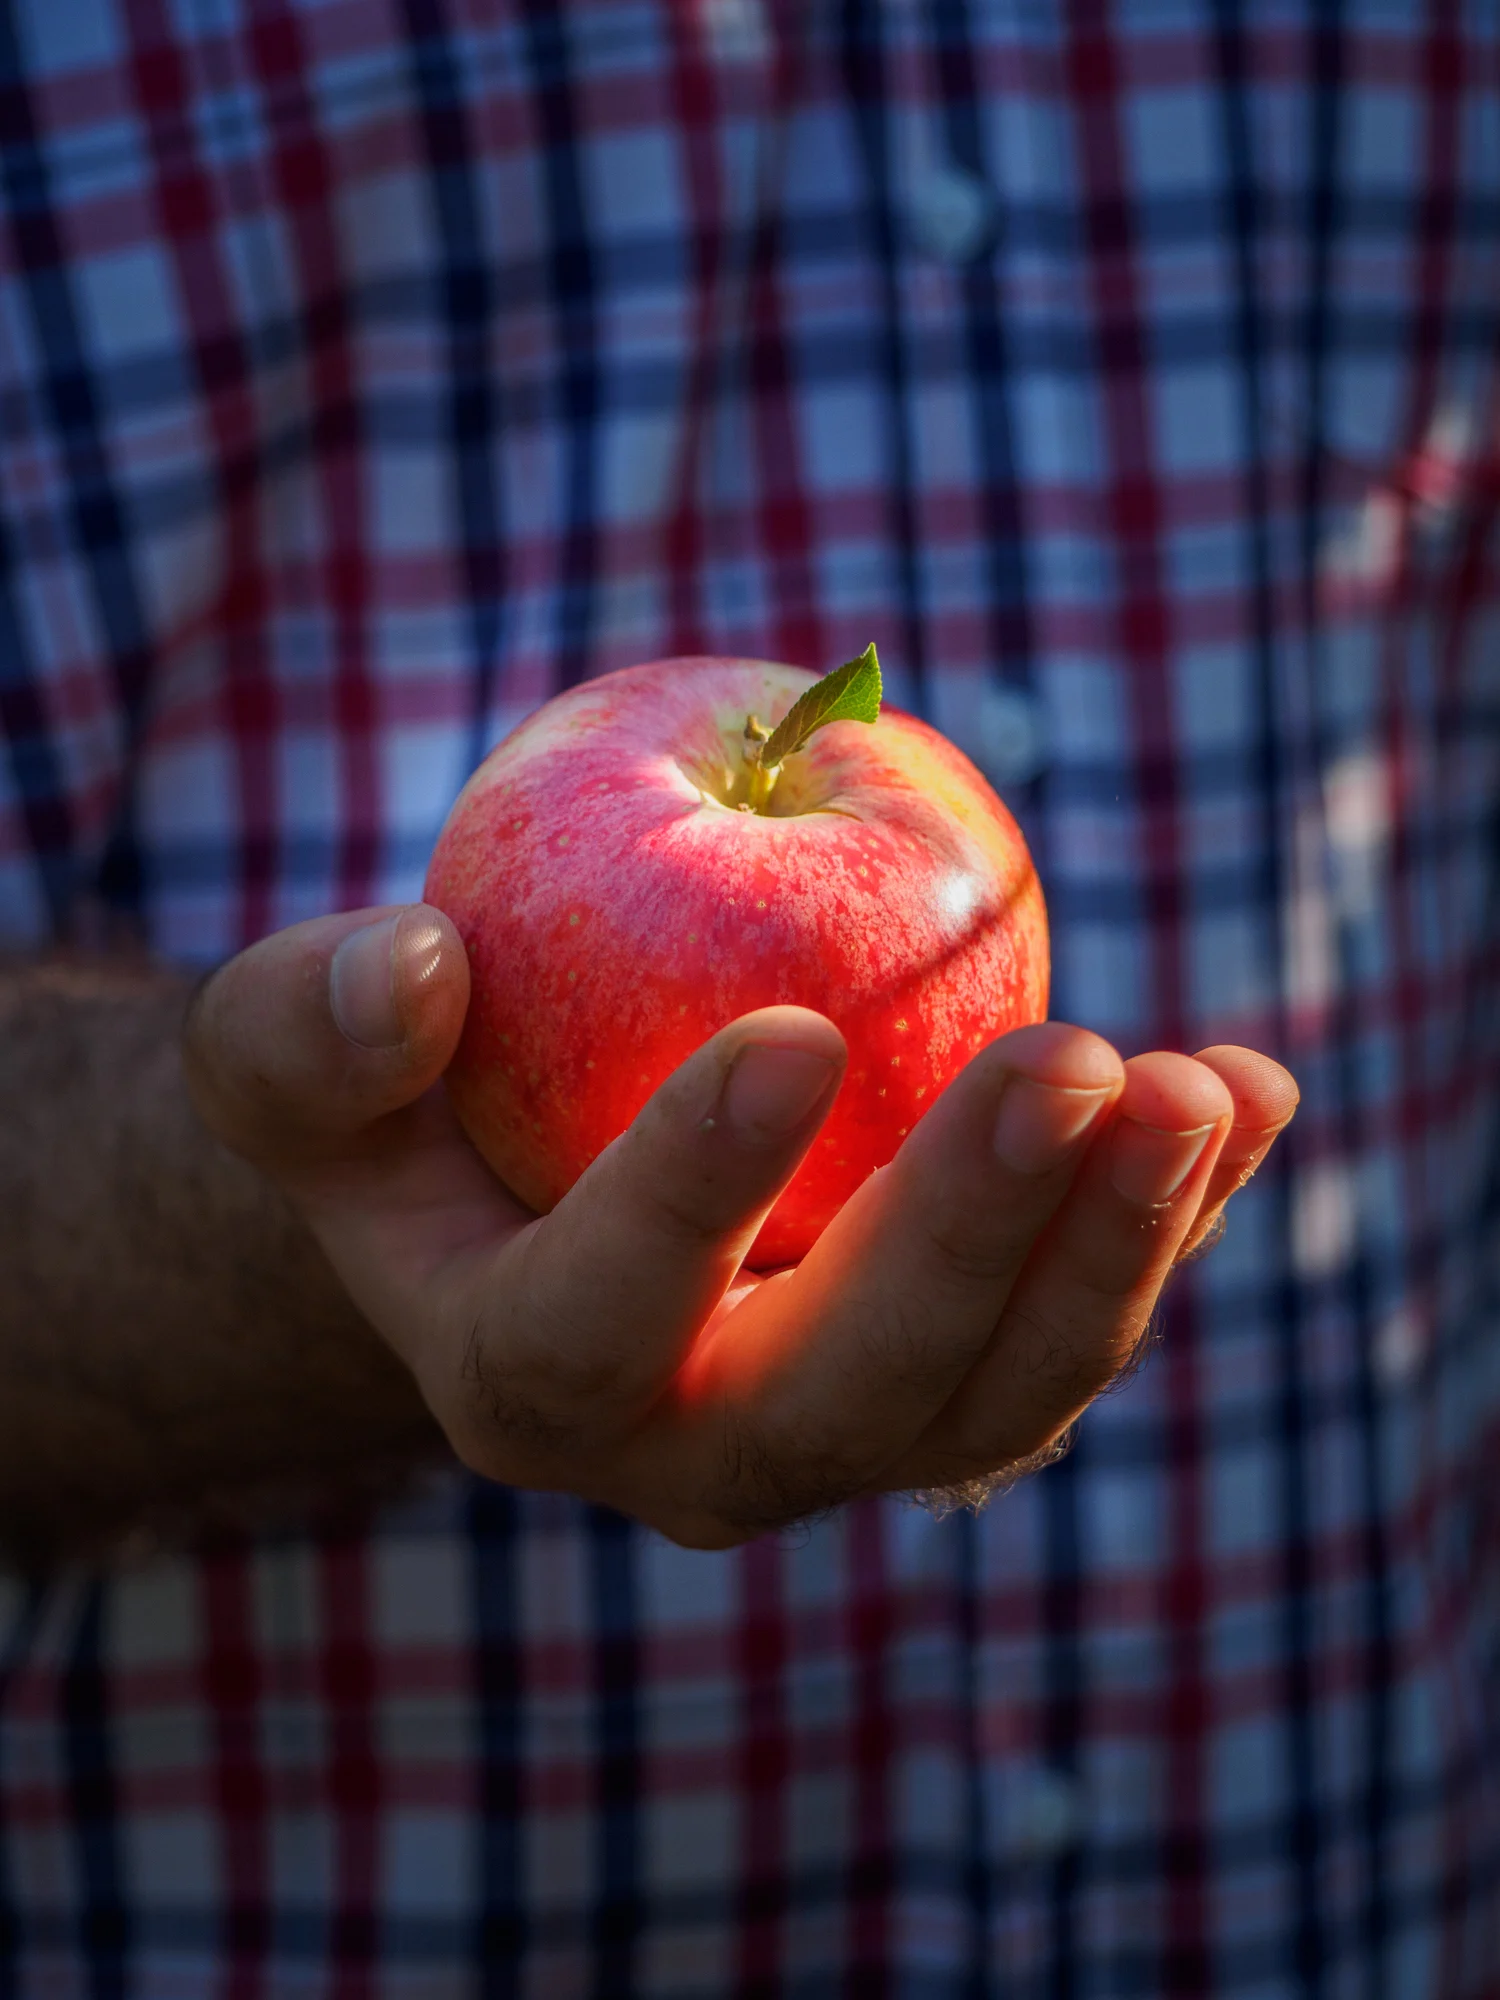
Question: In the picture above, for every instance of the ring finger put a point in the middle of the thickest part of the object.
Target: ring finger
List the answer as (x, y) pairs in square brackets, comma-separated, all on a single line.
[(1084, 1299)]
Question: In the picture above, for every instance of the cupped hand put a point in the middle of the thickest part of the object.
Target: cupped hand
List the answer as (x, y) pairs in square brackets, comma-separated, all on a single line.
[(948, 1327)]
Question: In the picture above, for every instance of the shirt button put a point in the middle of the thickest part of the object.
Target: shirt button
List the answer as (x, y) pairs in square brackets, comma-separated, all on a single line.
[(1044, 1814), (1012, 746), (951, 213)]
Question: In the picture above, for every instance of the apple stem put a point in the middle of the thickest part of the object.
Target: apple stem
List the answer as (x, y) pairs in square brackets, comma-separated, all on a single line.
[(851, 693), (762, 776)]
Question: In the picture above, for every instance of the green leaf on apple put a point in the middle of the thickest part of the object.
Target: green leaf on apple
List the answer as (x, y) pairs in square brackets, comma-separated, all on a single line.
[(851, 693)]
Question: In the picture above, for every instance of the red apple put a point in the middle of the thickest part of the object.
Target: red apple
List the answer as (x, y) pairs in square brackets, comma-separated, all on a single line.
[(622, 898)]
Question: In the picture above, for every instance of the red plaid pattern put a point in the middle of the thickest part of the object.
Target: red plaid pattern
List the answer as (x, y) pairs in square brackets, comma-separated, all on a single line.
[(369, 369)]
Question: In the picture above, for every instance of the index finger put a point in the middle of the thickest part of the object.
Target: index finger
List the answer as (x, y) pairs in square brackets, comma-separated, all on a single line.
[(575, 1327)]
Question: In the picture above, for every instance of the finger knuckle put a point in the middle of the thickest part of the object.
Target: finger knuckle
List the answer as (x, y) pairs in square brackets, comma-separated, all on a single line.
[(904, 1341), (768, 1485), (965, 1251), (505, 1455), (502, 1419), (684, 1220), (548, 1367), (236, 1075), (1064, 1361), (1038, 1346), (684, 1212)]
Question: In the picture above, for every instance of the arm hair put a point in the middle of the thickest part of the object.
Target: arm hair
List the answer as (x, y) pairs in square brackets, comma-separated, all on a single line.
[(176, 1357)]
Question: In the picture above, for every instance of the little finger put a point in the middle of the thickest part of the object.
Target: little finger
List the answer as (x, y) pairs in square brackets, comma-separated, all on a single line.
[(1083, 1302)]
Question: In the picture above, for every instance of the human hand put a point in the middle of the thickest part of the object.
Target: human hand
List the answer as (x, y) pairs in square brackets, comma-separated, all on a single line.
[(948, 1326)]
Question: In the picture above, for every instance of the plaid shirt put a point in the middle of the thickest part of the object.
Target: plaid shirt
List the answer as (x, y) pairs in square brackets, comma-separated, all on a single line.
[(371, 369)]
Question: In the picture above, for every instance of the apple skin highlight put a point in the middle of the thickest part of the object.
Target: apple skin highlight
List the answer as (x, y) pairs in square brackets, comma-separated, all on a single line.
[(617, 912)]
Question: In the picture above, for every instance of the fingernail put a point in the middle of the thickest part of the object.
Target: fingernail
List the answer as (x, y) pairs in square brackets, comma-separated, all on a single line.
[(1148, 1165), (1039, 1123), (361, 986), (771, 1091), (417, 953)]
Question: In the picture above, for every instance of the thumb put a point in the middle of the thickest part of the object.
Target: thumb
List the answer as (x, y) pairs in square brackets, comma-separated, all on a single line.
[(302, 1042)]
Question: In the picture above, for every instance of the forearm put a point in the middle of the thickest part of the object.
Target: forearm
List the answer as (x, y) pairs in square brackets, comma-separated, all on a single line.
[(175, 1354)]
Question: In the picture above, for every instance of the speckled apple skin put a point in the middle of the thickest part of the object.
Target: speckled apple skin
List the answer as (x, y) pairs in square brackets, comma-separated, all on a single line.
[(616, 916)]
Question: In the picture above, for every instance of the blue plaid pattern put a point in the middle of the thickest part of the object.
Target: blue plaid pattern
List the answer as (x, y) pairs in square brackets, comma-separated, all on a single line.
[(371, 369)]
